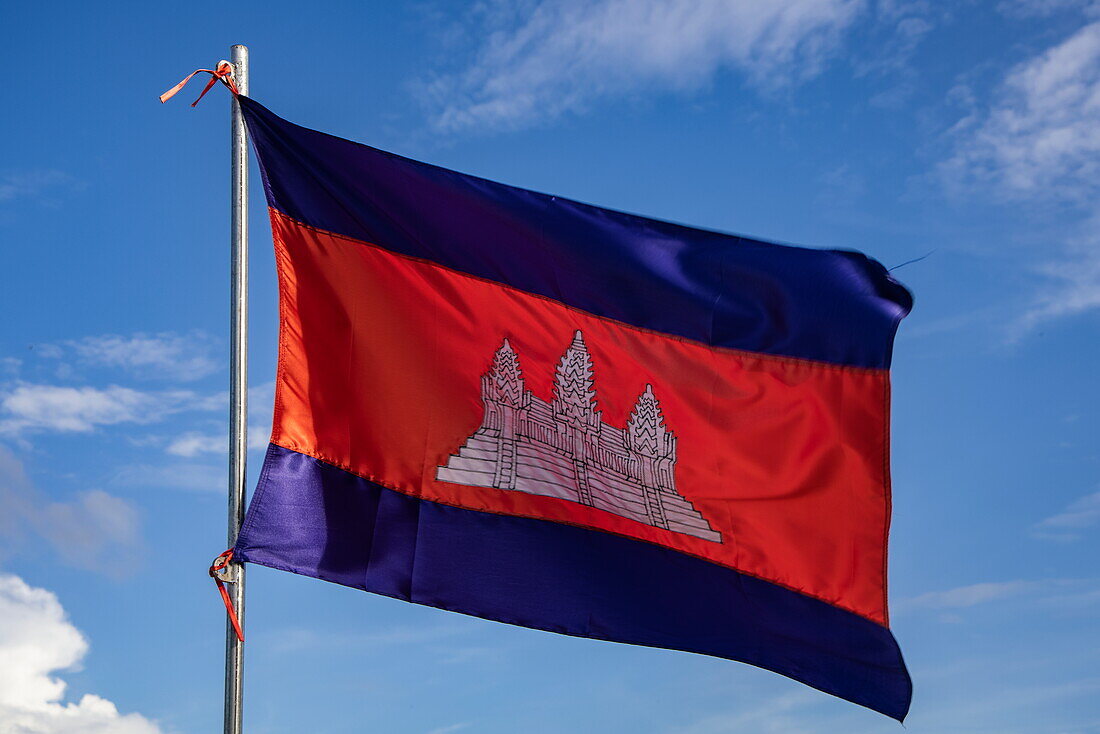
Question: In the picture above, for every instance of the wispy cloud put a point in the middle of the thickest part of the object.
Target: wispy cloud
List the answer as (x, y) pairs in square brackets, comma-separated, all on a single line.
[(1068, 524), (968, 596), (25, 184), (1054, 594), (1011, 706), (36, 408), (1070, 284), (896, 31), (195, 443), (36, 641), (297, 639), (165, 355), (450, 728), (784, 713), (1038, 144), (540, 60), (1041, 137), (185, 476), (91, 531), (1029, 9)]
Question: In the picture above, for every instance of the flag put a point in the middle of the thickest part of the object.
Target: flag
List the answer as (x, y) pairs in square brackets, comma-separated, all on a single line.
[(536, 411)]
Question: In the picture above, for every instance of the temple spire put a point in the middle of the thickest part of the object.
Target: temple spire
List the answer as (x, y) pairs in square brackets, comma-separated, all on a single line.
[(574, 394), (645, 429), (507, 376)]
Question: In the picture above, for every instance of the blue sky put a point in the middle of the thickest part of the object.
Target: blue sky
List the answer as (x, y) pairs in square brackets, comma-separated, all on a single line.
[(967, 132)]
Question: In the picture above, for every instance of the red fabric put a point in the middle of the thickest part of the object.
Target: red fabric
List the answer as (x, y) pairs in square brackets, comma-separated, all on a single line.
[(381, 358), (224, 74), (220, 563)]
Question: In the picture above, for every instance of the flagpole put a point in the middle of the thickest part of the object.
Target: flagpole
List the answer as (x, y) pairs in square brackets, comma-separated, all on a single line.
[(238, 387)]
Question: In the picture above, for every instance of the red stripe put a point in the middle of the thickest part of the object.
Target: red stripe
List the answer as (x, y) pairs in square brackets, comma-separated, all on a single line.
[(381, 358)]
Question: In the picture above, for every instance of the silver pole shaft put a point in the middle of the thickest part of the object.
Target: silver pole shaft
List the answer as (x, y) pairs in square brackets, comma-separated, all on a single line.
[(238, 389)]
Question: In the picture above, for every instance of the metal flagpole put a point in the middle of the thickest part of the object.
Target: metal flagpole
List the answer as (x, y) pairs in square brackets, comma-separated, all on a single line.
[(238, 388)]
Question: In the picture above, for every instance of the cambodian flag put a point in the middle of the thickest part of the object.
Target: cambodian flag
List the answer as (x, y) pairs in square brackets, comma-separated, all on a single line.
[(536, 411)]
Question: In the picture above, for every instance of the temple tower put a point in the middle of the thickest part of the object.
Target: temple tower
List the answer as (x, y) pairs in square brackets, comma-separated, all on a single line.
[(574, 405), (505, 396), (574, 394), (506, 377), (654, 448)]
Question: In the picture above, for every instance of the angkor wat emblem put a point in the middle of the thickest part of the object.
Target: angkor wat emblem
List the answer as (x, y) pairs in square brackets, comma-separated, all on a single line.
[(563, 448)]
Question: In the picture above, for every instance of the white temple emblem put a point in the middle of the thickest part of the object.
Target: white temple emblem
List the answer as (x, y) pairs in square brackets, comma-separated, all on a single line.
[(563, 449)]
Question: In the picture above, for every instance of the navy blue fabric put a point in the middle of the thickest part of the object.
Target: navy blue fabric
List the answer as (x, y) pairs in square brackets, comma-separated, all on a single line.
[(720, 289), (321, 521)]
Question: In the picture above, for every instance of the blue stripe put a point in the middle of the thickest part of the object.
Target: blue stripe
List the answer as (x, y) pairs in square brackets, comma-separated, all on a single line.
[(719, 289), (315, 519)]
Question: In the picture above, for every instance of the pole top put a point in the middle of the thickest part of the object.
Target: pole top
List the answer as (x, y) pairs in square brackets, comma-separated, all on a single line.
[(238, 52)]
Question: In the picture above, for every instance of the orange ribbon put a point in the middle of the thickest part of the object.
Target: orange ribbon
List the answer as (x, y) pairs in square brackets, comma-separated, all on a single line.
[(223, 73), (221, 563)]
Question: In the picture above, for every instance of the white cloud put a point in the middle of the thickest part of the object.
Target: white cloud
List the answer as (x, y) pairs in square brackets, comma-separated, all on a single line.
[(897, 30), (165, 355), (260, 403), (36, 641), (1065, 595), (1039, 143), (542, 59), (968, 596), (29, 407), (186, 476), (786, 713), (92, 531), (31, 183), (1071, 284), (1067, 525), (295, 640), (1041, 138), (78, 409), (194, 443), (1028, 9), (450, 728)]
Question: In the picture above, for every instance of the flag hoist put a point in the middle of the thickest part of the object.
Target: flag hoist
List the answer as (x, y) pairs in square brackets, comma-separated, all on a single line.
[(227, 573), (238, 390)]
